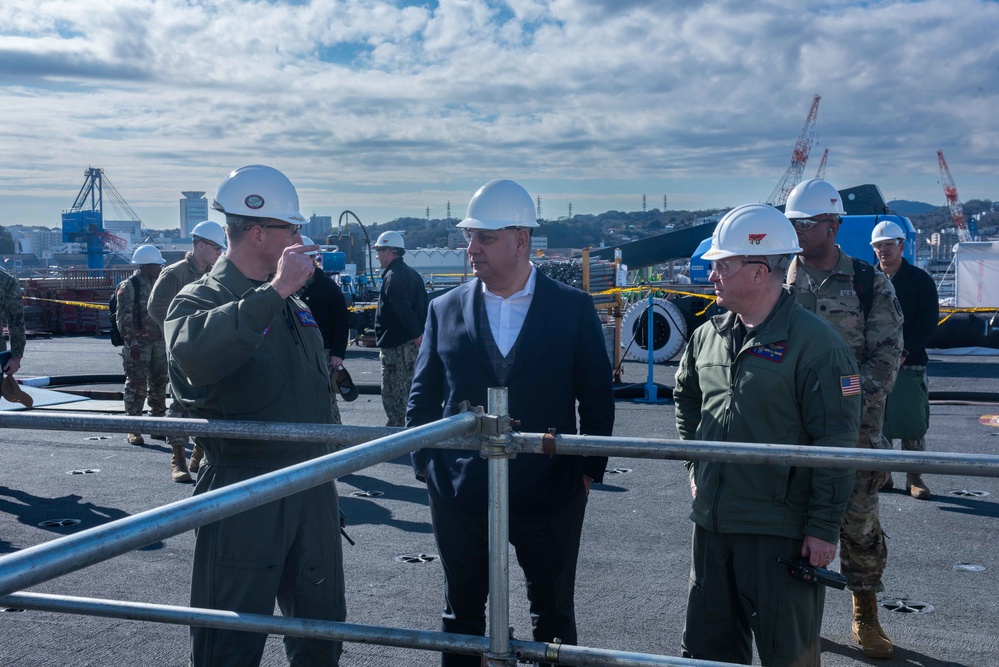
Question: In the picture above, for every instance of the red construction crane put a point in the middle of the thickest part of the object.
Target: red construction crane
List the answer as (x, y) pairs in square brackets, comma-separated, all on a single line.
[(950, 191), (821, 173), (798, 158)]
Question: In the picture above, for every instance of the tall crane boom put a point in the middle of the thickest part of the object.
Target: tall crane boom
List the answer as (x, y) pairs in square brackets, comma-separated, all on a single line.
[(821, 173), (798, 157), (950, 191)]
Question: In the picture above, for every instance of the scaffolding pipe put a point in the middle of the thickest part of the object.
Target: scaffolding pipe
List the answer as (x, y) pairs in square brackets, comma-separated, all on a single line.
[(578, 656), (276, 431), (809, 456), (42, 562), (494, 448)]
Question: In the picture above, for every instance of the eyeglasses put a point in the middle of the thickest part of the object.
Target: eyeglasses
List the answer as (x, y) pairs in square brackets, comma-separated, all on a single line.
[(804, 224), (726, 268), (884, 245), (291, 229), (211, 244), (484, 236)]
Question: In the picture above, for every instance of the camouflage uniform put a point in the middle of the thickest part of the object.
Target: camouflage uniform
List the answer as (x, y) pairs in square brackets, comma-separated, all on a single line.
[(398, 365), (876, 342), (12, 312), (144, 352), (171, 280)]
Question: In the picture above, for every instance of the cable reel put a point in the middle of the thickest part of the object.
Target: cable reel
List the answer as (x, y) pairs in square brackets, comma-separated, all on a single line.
[(669, 331)]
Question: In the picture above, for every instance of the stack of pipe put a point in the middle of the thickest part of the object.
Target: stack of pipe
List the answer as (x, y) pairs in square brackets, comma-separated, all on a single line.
[(570, 272)]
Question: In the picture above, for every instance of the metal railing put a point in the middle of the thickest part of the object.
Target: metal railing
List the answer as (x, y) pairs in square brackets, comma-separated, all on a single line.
[(368, 446)]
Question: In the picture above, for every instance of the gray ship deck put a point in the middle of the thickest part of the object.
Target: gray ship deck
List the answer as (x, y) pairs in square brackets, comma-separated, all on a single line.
[(633, 566)]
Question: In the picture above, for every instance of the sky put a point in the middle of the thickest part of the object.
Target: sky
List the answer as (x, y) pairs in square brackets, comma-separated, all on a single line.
[(389, 108)]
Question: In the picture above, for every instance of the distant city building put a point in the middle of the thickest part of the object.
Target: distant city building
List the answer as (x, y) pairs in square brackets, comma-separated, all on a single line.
[(39, 241), (539, 243), (129, 230), (317, 227), (193, 209)]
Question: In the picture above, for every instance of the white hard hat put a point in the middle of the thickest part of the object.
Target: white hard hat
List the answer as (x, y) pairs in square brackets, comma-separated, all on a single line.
[(886, 230), (307, 241), (753, 229), (257, 191), (211, 231), (499, 204), (813, 197), (390, 240), (147, 254)]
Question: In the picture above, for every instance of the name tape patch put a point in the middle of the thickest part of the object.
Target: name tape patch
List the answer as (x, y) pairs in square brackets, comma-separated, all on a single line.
[(849, 385), (771, 351)]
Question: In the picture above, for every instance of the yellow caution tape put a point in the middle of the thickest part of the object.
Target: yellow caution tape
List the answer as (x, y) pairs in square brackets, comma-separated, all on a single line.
[(78, 304)]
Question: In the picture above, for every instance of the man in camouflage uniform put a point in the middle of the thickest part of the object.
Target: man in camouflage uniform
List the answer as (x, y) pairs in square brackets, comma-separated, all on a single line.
[(208, 241), (12, 313), (144, 352), (827, 282), (399, 320)]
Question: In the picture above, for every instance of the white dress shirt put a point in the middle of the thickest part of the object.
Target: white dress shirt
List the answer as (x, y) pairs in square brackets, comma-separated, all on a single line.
[(506, 316)]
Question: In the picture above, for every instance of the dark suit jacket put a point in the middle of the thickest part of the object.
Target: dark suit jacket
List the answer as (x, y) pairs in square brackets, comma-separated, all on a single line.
[(561, 359)]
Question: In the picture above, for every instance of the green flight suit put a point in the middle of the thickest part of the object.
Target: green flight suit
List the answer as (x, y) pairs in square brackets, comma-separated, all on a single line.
[(791, 381), (239, 351), (12, 312)]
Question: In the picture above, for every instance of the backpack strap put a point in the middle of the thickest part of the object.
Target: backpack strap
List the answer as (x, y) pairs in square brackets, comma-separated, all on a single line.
[(863, 284), (135, 290)]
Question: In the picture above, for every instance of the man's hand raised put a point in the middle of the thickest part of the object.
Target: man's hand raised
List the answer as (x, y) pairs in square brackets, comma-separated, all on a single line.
[(294, 268)]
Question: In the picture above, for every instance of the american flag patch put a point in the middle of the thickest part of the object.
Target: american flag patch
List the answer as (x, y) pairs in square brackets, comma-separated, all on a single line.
[(849, 385)]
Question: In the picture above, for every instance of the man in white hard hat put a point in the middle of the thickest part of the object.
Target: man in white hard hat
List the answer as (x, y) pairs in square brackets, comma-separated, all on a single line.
[(399, 318), (511, 327), (860, 302), (143, 353), (768, 371), (907, 415), (244, 347), (208, 242)]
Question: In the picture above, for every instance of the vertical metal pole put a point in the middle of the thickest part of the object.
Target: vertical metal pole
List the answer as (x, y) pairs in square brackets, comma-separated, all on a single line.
[(499, 532)]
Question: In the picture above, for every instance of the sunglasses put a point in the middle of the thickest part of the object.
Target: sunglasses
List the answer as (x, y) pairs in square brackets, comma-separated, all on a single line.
[(484, 236)]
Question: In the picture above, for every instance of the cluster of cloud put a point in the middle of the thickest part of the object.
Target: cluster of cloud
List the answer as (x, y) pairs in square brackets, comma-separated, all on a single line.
[(389, 107)]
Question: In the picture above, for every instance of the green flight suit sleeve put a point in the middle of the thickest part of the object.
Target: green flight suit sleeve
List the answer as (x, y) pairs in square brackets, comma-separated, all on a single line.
[(167, 286), (209, 341), (13, 314), (832, 420), (687, 394)]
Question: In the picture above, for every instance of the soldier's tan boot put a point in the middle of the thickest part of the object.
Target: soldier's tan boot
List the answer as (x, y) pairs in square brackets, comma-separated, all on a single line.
[(867, 630), (178, 465), (916, 486), (135, 439), (196, 455)]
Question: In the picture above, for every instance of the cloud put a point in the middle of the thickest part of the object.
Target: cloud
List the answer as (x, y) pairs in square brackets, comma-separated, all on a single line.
[(397, 103)]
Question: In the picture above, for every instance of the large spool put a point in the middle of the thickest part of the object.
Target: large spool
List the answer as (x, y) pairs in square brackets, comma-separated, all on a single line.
[(669, 331)]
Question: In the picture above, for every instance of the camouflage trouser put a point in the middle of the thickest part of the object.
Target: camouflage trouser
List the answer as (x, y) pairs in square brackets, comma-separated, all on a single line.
[(863, 551), (146, 378), (398, 364)]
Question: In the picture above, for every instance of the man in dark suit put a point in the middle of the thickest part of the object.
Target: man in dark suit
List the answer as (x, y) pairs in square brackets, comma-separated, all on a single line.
[(511, 327)]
